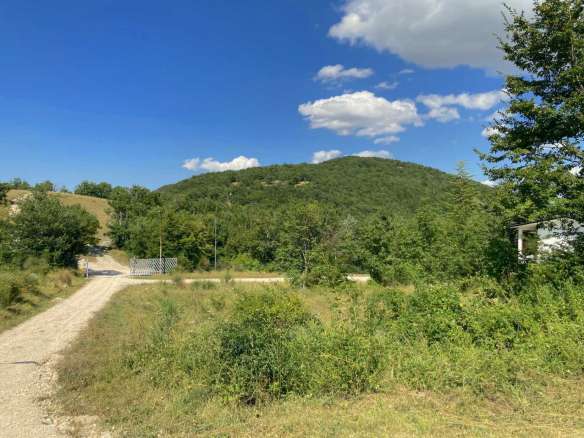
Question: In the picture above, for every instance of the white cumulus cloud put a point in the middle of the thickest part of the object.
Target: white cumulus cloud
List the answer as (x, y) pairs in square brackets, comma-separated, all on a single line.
[(374, 154), (322, 156), (332, 73), (362, 114), (489, 131), (430, 33), (211, 165), (191, 164)]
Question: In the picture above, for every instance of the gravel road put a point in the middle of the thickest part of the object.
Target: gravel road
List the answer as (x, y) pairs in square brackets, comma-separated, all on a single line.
[(28, 352)]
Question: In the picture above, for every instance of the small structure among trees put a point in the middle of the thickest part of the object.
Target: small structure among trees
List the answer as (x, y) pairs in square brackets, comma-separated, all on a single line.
[(537, 239)]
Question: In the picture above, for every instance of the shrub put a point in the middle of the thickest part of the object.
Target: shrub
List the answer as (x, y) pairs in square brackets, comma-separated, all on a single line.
[(61, 278), (10, 289), (245, 262), (272, 347), (254, 360), (337, 360), (384, 307)]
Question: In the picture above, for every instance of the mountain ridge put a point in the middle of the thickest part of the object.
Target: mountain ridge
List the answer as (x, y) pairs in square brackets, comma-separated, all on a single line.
[(359, 185)]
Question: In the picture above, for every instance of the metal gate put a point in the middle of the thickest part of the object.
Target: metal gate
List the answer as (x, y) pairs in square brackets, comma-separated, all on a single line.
[(152, 266)]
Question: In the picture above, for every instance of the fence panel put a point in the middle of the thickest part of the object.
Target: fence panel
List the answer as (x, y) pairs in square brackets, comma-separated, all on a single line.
[(152, 266)]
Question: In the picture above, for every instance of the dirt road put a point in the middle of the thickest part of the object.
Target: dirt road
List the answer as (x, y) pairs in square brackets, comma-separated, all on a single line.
[(28, 352)]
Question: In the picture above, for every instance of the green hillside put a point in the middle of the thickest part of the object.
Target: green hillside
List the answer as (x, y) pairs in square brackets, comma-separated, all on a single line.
[(357, 185)]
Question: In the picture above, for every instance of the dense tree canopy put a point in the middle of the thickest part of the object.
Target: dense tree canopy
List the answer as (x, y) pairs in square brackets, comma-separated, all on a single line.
[(98, 190), (45, 228), (536, 150)]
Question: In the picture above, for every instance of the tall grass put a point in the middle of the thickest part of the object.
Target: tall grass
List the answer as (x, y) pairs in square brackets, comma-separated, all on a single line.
[(190, 352)]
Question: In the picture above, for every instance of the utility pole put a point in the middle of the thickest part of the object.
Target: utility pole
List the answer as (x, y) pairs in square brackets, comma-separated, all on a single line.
[(215, 239), (160, 253)]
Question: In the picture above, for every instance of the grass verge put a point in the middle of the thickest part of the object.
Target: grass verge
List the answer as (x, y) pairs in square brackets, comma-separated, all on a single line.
[(51, 288)]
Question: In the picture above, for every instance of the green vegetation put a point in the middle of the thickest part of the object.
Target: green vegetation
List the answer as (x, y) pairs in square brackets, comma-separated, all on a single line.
[(536, 142), (96, 190), (493, 345), (212, 359), (96, 206), (39, 246), (313, 237), (44, 228), (28, 291), (357, 186)]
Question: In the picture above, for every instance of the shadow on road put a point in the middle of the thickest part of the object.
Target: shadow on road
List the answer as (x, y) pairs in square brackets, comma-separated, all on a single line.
[(103, 273)]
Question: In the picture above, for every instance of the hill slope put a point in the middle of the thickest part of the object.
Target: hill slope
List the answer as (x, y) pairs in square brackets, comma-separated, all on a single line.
[(357, 185), (96, 206)]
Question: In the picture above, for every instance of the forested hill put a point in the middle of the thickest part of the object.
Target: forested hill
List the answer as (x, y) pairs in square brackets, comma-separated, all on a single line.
[(357, 185)]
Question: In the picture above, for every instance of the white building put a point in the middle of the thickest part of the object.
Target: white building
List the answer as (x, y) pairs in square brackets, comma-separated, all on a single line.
[(540, 238)]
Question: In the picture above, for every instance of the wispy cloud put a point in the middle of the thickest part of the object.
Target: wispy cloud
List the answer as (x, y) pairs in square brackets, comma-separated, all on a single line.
[(322, 156), (374, 154), (337, 73), (385, 85)]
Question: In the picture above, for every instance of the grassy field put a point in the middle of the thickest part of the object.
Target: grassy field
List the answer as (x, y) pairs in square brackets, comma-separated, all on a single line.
[(138, 367), (52, 288), (96, 206)]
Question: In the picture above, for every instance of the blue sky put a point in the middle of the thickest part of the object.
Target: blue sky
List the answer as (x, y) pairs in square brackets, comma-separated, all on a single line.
[(151, 92)]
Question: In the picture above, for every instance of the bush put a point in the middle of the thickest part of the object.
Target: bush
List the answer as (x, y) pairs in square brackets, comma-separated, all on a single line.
[(254, 359), (337, 360), (271, 347), (10, 289), (61, 278), (245, 262)]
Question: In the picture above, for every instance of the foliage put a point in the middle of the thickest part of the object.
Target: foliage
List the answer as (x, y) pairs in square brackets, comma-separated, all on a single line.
[(465, 238), (45, 228), (97, 190), (536, 150), (18, 184), (254, 358), (3, 192), (10, 289), (45, 186), (183, 235), (129, 204), (353, 185), (304, 244), (165, 358)]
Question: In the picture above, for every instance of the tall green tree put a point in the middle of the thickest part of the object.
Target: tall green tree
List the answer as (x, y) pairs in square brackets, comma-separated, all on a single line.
[(98, 190), (45, 186), (536, 143), (45, 228), (127, 205)]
